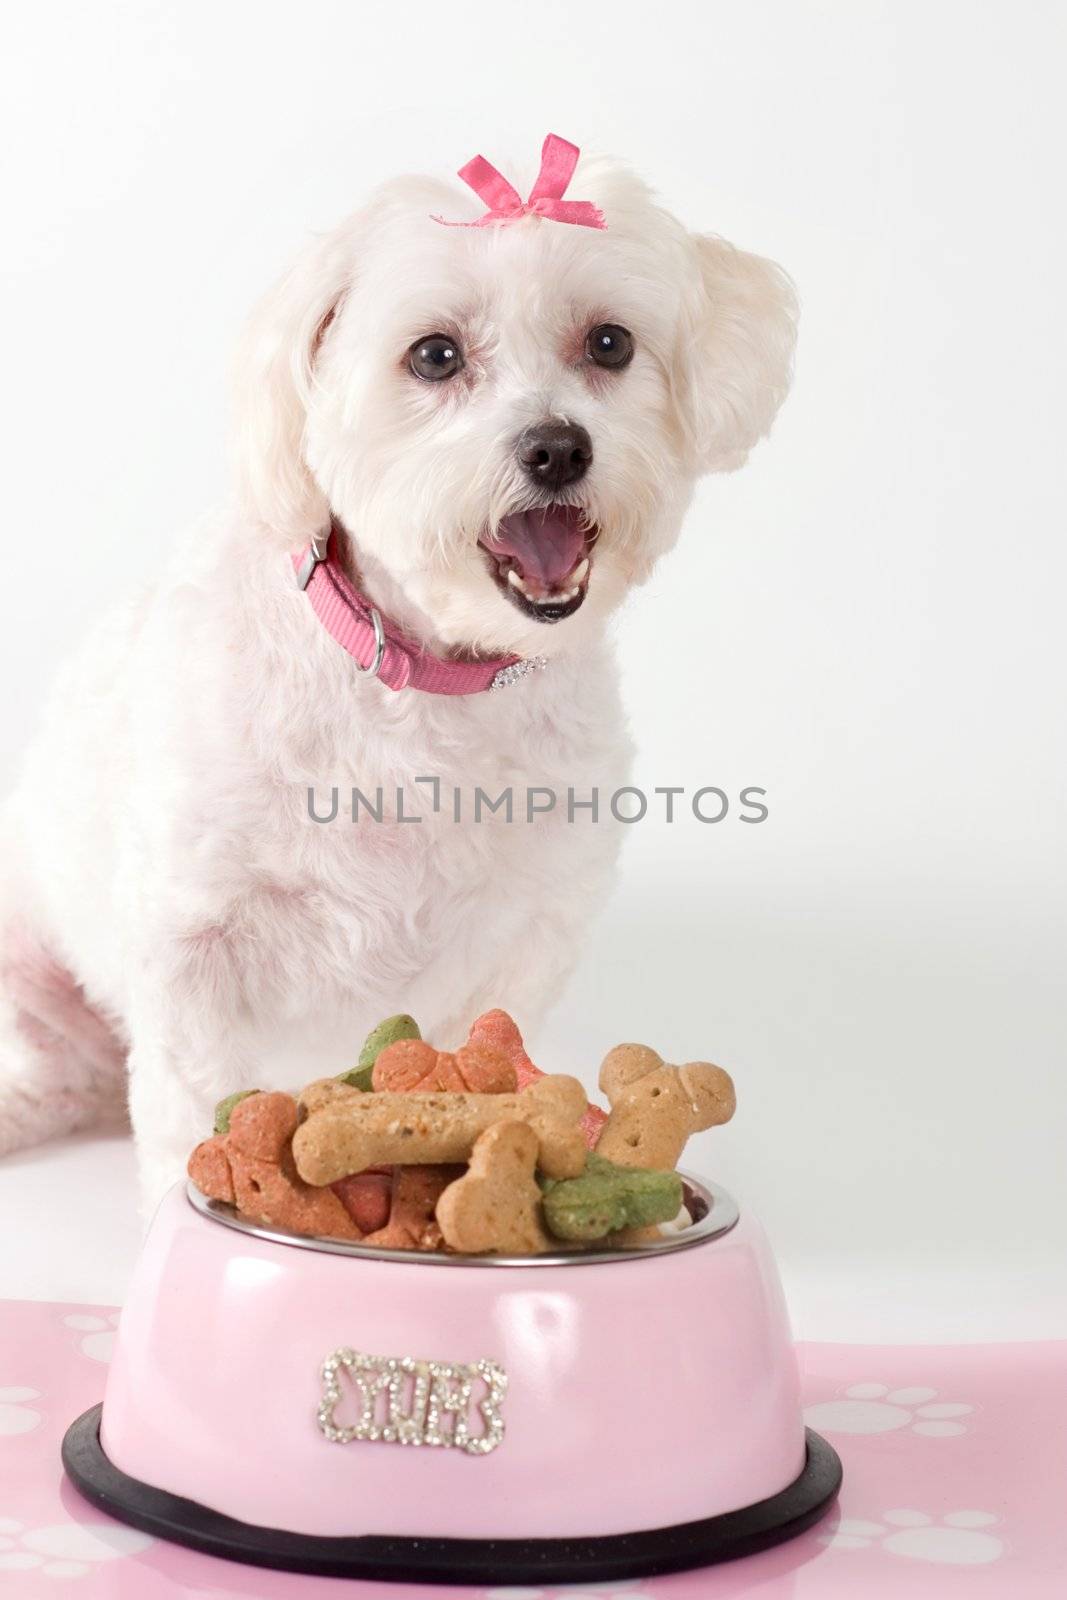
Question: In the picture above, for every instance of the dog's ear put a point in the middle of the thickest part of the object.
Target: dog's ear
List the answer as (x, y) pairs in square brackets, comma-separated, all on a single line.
[(275, 388), (736, 357)]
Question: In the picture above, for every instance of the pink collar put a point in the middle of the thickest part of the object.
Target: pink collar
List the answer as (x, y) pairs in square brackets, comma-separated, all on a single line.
[(379, 647)]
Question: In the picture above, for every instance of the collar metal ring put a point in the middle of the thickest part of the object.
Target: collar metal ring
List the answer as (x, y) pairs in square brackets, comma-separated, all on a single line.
[(379, 646)]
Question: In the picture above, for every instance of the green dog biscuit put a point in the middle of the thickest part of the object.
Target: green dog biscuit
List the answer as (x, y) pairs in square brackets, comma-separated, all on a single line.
[(356, 1077), (224, 1109), (387, 1032), (606, 1198)]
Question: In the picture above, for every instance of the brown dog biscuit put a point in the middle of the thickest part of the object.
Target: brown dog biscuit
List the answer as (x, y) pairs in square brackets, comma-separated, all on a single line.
[(345, 1136), (324, 1091), (413, 1066), (496, 1206), (263, 1182), (627, 1064), (655, 1107)]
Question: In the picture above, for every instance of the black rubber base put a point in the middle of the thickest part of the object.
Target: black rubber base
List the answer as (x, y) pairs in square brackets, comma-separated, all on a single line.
[(604, 1558)]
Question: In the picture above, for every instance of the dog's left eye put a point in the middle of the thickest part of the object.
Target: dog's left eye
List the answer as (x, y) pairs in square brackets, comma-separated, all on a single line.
[(435, 357), (610, 346)]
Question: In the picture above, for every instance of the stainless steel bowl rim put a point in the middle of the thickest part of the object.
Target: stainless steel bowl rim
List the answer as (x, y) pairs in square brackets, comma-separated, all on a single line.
[(720, 1216)]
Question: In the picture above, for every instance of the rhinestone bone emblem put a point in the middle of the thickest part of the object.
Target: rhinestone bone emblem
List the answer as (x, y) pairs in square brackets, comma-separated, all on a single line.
[(517, 671), (401, 1400)]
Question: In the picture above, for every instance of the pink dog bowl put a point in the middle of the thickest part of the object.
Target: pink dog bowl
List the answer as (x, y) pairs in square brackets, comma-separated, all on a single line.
[(332, 1409)]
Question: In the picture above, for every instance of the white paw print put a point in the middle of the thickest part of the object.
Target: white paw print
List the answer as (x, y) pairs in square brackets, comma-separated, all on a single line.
[(954, 1540), (99, 1340), (15, 1417), (873, 1408), (65, 1549)]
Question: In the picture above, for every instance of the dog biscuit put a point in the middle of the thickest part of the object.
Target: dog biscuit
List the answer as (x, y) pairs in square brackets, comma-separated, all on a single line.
[(353, 1131), (325, 1091), (415, 1193), (655, 1107), (380, 1038), (607, 1198), (209, 1168), (496, 1206), (500, 1032), (251, 1167), (367, 1197), (412, 1065), (224, 1109)]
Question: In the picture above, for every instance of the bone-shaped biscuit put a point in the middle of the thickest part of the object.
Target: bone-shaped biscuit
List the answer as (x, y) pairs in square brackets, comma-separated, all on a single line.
[(655, 1107), (415, 1193), (251, 1166), (609, 1199), (496, 1205), (326, 1091), (411, 1066), (346, 1133), (498, 1031)]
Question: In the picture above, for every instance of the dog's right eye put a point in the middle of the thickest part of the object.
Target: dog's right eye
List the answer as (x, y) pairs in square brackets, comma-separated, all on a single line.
[(435, 357)]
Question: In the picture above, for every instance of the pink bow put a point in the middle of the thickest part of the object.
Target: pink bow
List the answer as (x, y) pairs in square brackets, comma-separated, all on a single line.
[(558, 161)]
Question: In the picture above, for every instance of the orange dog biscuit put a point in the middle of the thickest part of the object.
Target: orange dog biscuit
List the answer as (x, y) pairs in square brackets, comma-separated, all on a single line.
[(367, 1197), (412, 1224), (348, 1134), (499, 1031), (413, 1066), (252, 1168)]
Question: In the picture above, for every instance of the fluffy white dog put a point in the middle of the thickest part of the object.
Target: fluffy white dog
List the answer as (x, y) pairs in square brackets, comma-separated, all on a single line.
[(503, 425)]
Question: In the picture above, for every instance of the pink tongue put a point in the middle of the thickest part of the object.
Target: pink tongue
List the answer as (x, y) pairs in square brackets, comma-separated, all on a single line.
[(545, 544)]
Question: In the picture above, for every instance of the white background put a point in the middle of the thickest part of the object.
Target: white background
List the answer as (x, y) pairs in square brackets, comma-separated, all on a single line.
[(866, 622)]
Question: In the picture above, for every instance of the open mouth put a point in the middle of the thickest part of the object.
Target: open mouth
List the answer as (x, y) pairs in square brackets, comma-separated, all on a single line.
[(541, 560)]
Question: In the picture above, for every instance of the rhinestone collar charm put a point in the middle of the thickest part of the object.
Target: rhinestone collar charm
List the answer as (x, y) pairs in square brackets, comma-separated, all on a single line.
[(517, 670)]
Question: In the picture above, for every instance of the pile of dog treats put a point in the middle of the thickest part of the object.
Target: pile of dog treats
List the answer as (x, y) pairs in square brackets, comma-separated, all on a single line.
[(471, 1151)]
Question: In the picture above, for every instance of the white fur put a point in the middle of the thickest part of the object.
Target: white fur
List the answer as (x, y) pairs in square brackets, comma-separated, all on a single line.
[(164, 894)]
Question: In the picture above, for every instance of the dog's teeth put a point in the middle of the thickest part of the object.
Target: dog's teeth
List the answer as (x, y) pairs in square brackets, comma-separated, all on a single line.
[(581, 569), (516, 580)]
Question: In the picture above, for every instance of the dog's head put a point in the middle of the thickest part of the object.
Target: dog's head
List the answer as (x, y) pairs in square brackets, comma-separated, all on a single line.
[(508, 420)]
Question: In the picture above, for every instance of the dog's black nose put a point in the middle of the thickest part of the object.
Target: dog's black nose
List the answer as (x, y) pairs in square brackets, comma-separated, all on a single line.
[(554, 454)]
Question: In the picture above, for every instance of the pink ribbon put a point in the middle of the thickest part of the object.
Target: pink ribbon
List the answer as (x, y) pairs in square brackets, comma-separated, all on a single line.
[(558, 161)]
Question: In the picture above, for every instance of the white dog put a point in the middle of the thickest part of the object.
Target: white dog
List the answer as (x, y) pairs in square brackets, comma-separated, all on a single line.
[(502, 424)]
